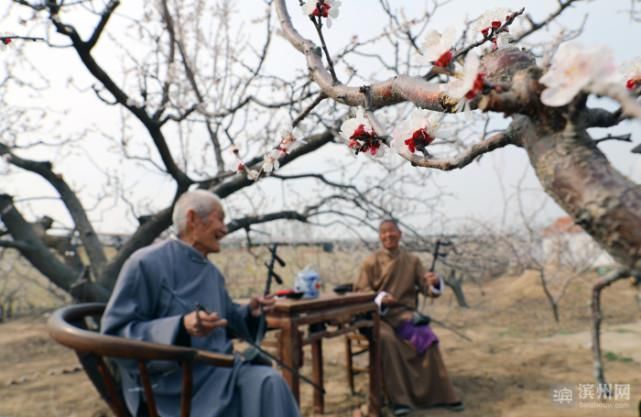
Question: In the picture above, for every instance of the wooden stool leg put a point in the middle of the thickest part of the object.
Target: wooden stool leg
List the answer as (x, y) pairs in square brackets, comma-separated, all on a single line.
[(349, 364), (317, 375)]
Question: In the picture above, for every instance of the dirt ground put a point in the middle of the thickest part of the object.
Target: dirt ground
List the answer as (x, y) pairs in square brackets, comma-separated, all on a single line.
[(517, 357)]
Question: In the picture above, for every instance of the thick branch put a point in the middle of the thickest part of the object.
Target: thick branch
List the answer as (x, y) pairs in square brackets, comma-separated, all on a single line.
[(246, 222), (143, 236), (19, 245), (41, 257), (629, 105), (404, 88), (601, 118), (88, 235)]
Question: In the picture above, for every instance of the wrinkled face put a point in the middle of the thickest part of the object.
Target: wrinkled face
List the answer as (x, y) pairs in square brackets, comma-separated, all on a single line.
[(207, 232), (390, 235)]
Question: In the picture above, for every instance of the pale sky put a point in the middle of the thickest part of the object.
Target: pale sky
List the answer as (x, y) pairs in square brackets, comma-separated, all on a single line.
[(475, 191)]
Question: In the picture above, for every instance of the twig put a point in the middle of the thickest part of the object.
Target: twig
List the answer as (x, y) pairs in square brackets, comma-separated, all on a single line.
[(602, 283), (319, 29), (623, 138)]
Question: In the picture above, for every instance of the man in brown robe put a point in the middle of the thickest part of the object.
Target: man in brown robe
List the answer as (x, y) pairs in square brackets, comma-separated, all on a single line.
[(411, 380)]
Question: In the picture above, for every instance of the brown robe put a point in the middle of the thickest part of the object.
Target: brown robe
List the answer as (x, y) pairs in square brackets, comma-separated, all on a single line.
[(408, 379)]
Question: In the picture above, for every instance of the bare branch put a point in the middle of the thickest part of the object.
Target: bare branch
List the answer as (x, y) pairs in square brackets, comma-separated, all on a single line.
[(602, 118), (104, 19), (39, 254), (629, 105), (602, 283), (535, 26), (84, 52), (246, 222), (496, 141), (622, 138)]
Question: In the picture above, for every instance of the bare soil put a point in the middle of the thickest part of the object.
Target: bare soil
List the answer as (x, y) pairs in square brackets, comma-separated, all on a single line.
[(518, 355)]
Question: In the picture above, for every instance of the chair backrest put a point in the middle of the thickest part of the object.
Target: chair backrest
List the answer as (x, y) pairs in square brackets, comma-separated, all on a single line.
[(76, 327)]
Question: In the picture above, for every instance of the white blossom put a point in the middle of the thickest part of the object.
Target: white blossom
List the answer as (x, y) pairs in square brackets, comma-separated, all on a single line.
[(436, 43), (328, 9), (574, 68), (270, 162), (349, 126), (424, 121), (361, 134), (460, 86), (631, 74), (252, 174)]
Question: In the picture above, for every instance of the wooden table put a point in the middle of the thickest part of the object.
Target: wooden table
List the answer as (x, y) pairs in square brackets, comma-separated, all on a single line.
[(336, 311)]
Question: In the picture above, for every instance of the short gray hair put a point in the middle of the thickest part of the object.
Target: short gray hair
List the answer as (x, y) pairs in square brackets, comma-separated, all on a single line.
[(200, 201), (389, 220)]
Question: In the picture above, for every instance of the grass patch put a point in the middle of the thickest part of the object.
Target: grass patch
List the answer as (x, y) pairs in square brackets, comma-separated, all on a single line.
[(614, 357)]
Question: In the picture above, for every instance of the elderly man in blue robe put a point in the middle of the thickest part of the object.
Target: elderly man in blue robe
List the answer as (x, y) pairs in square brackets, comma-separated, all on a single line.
[(155, 299)]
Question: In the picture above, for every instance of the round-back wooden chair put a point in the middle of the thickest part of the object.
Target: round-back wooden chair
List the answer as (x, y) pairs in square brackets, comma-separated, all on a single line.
[(77, 327)]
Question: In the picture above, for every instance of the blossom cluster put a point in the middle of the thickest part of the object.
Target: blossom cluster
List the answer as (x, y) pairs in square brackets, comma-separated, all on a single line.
[(360, 134), (271, 160), (493, 25), (574, 68)]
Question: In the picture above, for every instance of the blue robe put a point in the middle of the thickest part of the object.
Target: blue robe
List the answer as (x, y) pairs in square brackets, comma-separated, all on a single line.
[(157, 286)]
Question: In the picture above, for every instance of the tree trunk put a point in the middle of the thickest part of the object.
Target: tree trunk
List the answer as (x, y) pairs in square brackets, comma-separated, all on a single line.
[(581, 180), (456, 284)]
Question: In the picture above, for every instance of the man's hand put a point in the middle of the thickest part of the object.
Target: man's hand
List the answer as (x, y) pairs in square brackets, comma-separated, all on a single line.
[(431, 279), (262, 304), (200, 323), (389, 300), (433, 283)]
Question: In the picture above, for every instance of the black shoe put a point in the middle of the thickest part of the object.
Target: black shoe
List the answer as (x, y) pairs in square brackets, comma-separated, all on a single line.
[(457, 406), (401, 410)]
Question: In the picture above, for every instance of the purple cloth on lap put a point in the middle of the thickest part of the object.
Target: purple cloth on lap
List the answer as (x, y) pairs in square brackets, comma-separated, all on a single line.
[(421, 337)]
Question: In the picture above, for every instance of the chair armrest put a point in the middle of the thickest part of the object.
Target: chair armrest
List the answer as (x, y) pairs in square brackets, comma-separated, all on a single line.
[(62, 330)]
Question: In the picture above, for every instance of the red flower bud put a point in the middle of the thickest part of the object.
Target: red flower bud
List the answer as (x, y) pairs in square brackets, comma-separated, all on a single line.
[(6, 41), (322, 9), (632, 83), (444, 60)]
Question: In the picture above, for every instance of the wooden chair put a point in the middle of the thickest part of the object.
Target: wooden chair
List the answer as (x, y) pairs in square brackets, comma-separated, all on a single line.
[(355, 344), (76, 327)]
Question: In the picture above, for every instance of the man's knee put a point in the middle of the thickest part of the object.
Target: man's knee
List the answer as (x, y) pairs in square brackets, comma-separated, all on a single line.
[(264, 374)]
